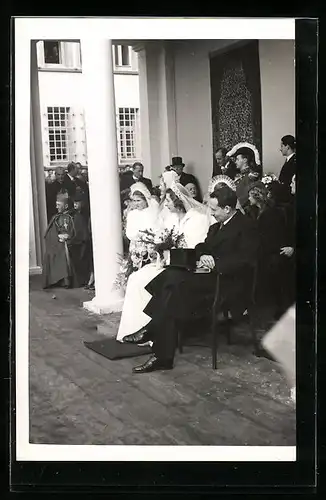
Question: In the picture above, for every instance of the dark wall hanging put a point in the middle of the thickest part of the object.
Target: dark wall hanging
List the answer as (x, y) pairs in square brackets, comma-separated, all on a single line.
[(236, 97)]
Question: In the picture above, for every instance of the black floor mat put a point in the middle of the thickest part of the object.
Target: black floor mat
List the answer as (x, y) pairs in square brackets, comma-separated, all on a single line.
[(111, 349)]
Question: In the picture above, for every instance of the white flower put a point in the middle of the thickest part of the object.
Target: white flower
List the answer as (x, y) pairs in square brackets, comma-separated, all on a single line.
[(268, 178), (124, 267)]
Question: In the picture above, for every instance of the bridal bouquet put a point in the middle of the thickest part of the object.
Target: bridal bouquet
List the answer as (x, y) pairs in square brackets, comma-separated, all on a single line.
[(147, 248), (164, 240), (126, 268)]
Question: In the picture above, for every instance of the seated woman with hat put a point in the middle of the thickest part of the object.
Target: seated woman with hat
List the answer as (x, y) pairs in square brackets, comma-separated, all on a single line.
[(273, 265), (249, 170)]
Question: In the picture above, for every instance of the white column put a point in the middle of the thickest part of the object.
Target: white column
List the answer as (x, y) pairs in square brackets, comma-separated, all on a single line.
[(36, 159), (32, 242), (101, 139), (157, 106), (167, 105), (171, 100), (144, 113), (154, 109), (163, 124)]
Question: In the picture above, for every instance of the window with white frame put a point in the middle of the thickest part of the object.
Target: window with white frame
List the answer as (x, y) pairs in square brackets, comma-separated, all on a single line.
[(127, 128), (57, 55), (59, 134), (122, 56)]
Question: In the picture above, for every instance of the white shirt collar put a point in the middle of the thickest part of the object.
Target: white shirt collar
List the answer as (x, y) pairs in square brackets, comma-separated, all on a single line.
[(228, 220), (290, 156)]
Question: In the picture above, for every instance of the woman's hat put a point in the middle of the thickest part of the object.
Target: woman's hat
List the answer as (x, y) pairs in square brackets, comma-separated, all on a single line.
[(245, 148), (245, 151), (177, 161), (257, 184)]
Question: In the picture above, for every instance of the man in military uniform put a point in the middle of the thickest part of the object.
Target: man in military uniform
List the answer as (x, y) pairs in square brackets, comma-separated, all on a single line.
[(249, 172)]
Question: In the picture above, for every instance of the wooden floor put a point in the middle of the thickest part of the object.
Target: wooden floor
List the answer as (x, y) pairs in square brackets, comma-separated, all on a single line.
[(80, 397)]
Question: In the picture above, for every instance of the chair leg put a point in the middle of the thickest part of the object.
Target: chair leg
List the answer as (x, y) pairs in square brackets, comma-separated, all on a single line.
[(214, 344), (227, 326), (180, 346), (228, 332), (253, 331)]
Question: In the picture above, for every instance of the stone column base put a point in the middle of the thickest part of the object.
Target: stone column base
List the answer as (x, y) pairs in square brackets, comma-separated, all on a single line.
[(35, 270), (99, 307)]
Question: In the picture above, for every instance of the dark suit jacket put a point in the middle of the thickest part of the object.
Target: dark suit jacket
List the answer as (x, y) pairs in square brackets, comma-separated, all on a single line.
[(271, 225), (231, 170), (127, 180), (189, 178), (233, 245), (71, 186), (288, 170), (51, 191), (290, 218)]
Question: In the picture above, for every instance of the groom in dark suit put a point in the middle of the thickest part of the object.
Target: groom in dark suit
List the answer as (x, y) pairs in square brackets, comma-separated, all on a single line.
[(229, 249)]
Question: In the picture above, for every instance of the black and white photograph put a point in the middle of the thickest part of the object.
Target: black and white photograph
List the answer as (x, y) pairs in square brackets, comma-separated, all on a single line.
[(155, 194)]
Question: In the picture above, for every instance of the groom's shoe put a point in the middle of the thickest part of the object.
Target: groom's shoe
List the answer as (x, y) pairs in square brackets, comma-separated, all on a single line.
[(153, 364), (138, 337)]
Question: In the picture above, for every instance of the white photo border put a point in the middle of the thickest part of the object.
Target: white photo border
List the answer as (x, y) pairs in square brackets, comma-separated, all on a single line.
[(27, 29)]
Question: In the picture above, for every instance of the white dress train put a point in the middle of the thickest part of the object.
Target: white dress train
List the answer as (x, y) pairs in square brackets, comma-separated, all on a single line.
[(194, 226)]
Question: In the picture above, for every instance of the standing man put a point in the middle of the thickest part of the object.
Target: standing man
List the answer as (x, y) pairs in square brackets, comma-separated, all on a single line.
[(72, 181), (52, 189), (219, 161), (224, 164), (135, 175), (243, 181), (79, 246), (288, 149), (74, 186)]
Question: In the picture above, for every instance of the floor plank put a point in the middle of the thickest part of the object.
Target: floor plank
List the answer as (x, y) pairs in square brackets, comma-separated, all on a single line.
[(80, 397)]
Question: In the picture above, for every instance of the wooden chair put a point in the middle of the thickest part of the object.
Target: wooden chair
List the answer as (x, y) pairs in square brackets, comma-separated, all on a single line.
[(217, 308)]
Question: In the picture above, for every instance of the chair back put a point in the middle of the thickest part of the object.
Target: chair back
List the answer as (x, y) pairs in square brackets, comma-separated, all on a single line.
[(252, 276)]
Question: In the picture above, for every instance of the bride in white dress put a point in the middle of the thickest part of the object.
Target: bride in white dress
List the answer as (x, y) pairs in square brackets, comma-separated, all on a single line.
[(144, 213), (188, 218)]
